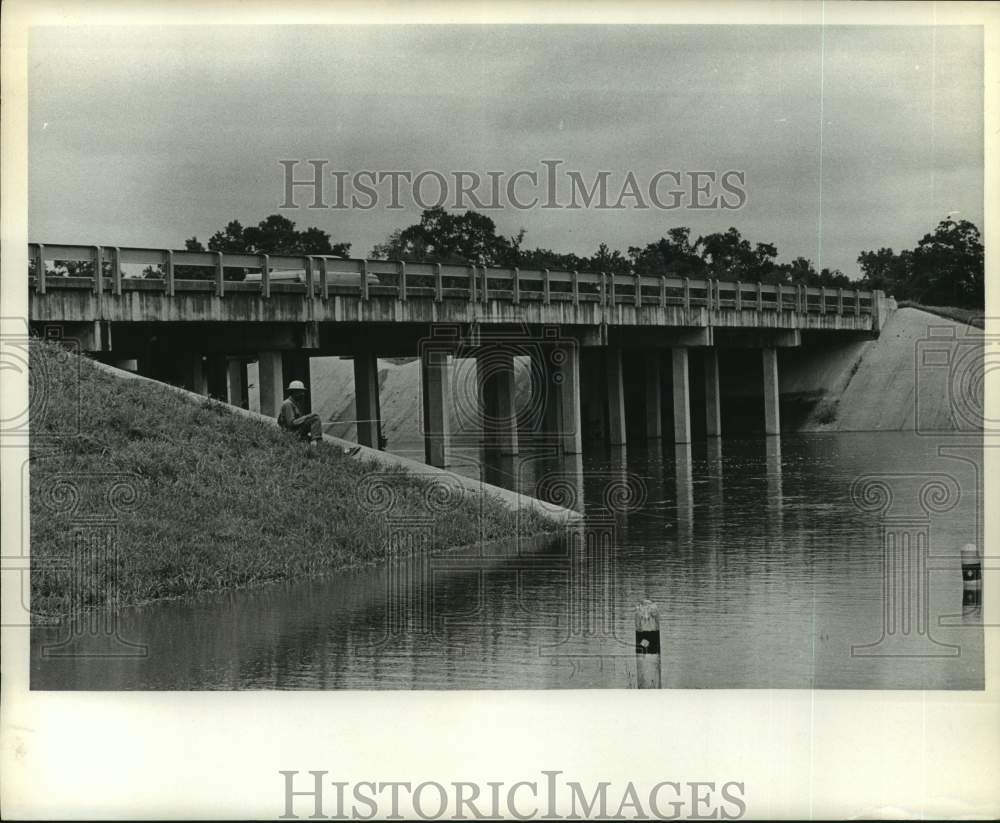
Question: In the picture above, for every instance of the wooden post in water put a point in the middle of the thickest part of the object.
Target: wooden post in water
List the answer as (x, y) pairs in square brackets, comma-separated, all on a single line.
[(972, 579), (647, 645)]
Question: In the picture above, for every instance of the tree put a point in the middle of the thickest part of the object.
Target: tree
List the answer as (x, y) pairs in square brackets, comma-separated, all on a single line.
[(611, 262), (538, 259), (674, 254), (945, 268), (728, 255), (886, 270), (275, 234), (948, 266), (441, 237)]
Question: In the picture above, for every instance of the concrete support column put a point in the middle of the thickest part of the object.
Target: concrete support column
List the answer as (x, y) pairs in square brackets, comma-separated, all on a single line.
[(713, 406), (270, 376), (237, 378), (295, 366), (566, 382), (217, 376), (195, 377), (541, 392), (616, 397), (682, 396), (653, 396), (435, 373), (772, 411), (366, 405), (497, 390)]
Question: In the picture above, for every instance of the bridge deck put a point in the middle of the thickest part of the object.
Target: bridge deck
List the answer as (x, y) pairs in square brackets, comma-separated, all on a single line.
[(150, 285)]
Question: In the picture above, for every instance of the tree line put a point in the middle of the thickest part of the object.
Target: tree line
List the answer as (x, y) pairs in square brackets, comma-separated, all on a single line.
[(944, 268)]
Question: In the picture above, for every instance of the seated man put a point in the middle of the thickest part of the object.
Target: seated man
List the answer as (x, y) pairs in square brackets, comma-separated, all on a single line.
[(291, 417)]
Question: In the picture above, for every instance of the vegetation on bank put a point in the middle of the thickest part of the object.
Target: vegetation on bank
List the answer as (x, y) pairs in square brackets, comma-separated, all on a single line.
[(203, 499), (971, 317)]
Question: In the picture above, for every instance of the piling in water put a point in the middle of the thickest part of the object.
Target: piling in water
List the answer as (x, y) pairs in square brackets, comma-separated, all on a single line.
[(647, 645), (972, 579)]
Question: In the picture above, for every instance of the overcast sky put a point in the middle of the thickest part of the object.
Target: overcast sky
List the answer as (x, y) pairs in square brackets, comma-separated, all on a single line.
[(850, 138)]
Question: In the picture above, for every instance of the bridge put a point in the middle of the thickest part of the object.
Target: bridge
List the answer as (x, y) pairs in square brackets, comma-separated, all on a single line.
[(198, 318)]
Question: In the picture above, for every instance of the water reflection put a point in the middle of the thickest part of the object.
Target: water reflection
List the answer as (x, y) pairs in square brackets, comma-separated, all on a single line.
[(684, 489), (775, 499), (765, 572)]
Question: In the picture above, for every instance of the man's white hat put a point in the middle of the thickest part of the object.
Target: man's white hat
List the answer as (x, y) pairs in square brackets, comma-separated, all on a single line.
[(296, 384)]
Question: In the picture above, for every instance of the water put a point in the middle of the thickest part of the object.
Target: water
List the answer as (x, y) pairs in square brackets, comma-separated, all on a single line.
[(766, 575)]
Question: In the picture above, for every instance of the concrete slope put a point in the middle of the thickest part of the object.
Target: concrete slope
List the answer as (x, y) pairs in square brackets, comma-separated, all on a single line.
[(924, 373)]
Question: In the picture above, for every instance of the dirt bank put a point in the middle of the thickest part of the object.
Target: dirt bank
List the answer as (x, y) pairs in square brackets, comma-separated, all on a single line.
[(204, 497)]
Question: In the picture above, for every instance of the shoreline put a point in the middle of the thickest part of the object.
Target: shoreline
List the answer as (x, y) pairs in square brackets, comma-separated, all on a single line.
[(62, 619), (216, 499)]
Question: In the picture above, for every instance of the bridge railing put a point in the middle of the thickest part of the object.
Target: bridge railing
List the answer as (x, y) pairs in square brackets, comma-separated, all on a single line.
[(127, 269)]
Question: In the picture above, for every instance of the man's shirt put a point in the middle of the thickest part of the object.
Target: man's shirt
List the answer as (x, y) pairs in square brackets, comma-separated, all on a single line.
[(289, 414)]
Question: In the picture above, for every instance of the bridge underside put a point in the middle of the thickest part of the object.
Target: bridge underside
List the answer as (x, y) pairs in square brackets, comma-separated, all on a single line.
[(589, 382), (608, 352)]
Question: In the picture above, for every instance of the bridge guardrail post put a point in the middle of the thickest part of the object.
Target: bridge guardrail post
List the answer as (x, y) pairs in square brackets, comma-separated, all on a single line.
[(265, 276), (98, 271), (324, 280), (857, 302), (840, 300), (663, 291), (170, 274), (638, 289), (822, 299), (402, 280), (310, 285), (40, 269), (546, 293), (611, 289), (760, 296), (220, 275), (364, 281), (472, 283), (687, 294), (486, 285), (739, 296), (777, 296), (438, 284), (576, 288), (516, 285), (116, 271)]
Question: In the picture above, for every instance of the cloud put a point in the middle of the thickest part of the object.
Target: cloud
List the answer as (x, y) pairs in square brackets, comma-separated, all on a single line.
[(880, 128)]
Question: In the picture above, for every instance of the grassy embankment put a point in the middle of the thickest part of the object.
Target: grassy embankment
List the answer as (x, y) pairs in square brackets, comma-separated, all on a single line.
[(222, 501), (971, 317)]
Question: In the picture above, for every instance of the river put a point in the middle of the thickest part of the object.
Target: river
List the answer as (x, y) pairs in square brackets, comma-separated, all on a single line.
[(765, 557)]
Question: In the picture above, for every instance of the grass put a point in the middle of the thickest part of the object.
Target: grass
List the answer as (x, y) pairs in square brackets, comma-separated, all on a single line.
[(206, 500), (971, 317)]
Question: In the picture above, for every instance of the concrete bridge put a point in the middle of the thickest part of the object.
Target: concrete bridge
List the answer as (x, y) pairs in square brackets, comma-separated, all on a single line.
[(197, 319)]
